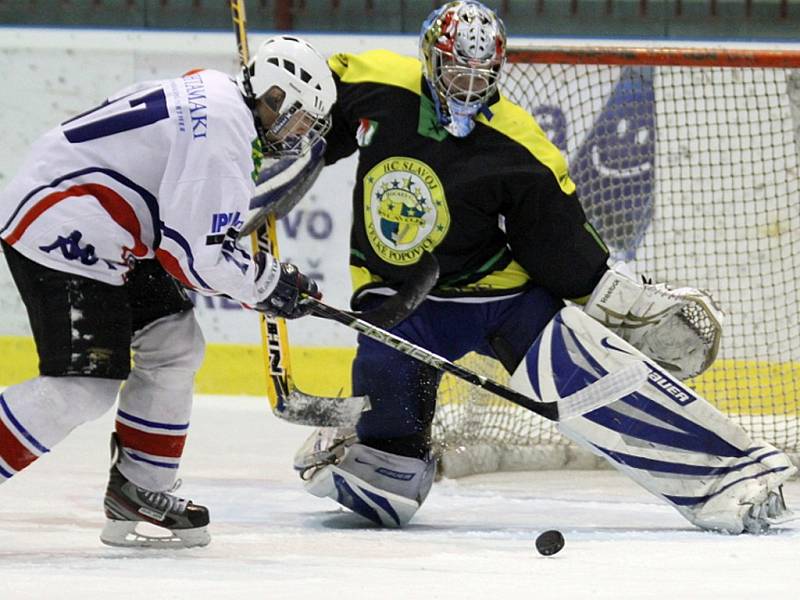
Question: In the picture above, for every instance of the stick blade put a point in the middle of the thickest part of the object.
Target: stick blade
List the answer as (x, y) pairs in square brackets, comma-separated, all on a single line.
[(421, 279), (321, 411)]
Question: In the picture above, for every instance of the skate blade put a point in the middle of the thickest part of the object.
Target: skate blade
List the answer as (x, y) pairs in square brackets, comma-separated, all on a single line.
[(124, 534)]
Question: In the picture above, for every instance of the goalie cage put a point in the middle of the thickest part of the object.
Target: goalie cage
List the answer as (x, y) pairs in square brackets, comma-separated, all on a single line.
[(686, 162)]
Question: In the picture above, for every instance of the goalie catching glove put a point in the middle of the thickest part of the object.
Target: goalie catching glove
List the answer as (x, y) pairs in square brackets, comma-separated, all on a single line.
[(284, 287), (678, 328)]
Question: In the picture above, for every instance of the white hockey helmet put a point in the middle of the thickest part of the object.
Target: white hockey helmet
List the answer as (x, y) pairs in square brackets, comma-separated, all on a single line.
[(294, 81), (462, 47)]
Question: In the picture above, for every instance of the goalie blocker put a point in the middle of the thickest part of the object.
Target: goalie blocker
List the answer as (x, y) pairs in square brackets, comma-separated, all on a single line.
[(665, 436)]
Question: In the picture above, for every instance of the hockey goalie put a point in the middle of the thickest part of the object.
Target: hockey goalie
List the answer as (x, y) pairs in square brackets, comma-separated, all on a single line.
[(444, 158), (664, 436)]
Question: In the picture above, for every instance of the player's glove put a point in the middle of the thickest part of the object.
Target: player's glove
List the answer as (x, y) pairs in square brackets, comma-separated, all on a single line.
[(287, 300)]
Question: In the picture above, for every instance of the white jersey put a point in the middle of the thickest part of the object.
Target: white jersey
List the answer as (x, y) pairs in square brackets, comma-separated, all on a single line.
[(161, 170)]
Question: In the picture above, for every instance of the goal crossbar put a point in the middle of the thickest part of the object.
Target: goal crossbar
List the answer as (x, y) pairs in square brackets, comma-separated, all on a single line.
[(674, 57)]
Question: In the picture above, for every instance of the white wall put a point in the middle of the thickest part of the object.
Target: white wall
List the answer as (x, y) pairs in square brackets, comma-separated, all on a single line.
[(49, 75)]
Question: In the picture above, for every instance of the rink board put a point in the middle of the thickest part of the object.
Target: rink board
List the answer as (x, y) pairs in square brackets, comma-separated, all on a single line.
[(238, 369)]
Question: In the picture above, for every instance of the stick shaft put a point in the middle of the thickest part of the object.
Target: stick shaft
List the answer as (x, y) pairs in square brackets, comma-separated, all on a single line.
[(274, 334), (549, 410)]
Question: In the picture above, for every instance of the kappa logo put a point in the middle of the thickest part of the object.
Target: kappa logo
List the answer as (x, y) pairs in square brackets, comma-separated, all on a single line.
[(71, 249)]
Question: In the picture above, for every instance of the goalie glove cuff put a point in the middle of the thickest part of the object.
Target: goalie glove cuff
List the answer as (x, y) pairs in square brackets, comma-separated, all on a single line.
[(678, 328), (614, 296)]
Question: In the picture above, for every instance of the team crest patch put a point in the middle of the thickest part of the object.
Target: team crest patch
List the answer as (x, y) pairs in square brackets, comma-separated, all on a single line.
[(405, 210), (366, 131)]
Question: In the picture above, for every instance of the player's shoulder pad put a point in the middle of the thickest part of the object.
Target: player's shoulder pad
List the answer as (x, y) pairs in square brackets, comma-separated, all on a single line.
[(519, 125), (378, 66)]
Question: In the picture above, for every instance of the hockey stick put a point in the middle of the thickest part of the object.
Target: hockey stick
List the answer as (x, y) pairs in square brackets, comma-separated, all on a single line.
[(605, 390), (286, 400)]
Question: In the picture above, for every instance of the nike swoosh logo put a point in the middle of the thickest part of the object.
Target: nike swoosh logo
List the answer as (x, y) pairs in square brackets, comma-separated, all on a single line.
[(606, 344), (363, 462)]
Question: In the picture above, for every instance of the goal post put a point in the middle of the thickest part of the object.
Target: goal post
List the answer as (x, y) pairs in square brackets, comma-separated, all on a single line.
[(687, 161)]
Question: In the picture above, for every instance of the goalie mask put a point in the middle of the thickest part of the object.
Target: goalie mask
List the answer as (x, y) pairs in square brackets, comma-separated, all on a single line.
[(462, 49), (291, 91)]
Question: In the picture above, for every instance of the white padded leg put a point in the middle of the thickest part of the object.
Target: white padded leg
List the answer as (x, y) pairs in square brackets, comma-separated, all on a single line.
[(665, 436), (156, 401), (42, 411), (51, 407)]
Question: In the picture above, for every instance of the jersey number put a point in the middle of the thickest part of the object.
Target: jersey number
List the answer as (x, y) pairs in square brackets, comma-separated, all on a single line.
[(141, 111)]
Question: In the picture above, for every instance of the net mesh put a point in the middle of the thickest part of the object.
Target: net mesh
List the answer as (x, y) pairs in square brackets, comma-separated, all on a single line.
[(691, 174)]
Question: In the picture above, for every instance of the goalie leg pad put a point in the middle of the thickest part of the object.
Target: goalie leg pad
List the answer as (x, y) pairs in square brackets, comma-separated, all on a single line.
[(387, 489), (325, 446), (665, 436)]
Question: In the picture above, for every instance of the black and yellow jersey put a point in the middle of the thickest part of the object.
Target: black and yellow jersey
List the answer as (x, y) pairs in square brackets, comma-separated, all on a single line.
[(497, 208)]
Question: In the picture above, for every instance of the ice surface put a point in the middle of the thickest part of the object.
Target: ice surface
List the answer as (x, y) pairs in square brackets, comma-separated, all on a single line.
[(474, 538)]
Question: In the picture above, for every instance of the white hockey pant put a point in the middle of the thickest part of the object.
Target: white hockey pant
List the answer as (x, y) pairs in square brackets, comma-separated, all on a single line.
[(37, 414), (155, 402), (666, 437), (154, 406)]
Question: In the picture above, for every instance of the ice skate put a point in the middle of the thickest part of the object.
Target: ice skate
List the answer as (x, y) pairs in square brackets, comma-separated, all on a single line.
[(130, 510)]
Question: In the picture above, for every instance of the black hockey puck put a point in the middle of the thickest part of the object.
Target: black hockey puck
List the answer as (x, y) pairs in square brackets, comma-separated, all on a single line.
[(550, 542)]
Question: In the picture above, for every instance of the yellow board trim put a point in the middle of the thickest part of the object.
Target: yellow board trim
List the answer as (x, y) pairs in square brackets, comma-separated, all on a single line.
[(740, 386), (235, 369)]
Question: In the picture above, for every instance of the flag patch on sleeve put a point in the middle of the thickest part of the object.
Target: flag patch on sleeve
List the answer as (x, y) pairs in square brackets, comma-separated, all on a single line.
[(366, 131)]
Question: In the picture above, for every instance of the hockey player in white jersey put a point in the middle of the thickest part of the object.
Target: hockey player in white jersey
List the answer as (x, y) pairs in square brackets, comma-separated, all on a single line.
[(110, 210)]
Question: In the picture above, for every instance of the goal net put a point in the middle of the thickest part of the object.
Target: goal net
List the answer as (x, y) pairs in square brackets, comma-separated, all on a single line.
[(686, 162)]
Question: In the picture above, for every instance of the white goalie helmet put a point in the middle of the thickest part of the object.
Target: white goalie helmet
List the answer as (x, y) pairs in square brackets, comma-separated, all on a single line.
[(294, 81), (463, 49)]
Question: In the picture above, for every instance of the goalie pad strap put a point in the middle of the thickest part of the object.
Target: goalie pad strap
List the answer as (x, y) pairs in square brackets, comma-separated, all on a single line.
[(614, 297)]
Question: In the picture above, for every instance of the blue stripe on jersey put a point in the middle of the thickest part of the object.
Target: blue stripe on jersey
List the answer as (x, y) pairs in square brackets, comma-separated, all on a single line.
[(181, 241), (149, 199), (153, 424), (20, 429), (5, 474)]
